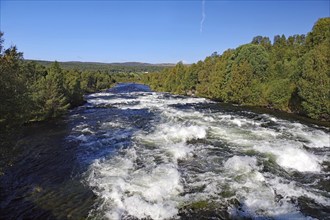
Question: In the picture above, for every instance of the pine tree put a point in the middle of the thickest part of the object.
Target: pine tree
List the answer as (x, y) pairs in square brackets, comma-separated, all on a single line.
[(50, 94), (14, 105)]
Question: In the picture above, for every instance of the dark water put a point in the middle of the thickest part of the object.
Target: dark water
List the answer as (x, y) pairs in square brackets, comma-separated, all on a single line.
[(130, 153), (43, 182)]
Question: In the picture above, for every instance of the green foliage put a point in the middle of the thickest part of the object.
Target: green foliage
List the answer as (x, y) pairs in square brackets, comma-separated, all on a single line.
[(278, 93), (256, 56), (314, 85), (238, 88), (49, 100), (320, 33), (72, 87), (292, 74), (263, 41), (30, 91), (13, 88), (314, 81)]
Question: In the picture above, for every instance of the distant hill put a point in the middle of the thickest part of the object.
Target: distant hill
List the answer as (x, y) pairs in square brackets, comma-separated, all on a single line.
[(126, 67)]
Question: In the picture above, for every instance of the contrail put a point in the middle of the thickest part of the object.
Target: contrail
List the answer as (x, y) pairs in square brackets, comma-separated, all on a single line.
[(203, 16)]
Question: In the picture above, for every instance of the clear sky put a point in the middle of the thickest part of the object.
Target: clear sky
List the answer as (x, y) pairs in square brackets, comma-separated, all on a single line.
[(148, 31)]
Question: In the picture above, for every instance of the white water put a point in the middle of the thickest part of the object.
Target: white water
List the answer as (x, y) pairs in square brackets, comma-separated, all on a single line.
[(193, 154)]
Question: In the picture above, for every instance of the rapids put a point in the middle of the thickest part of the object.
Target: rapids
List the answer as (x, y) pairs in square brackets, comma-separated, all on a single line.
[(149, 155)]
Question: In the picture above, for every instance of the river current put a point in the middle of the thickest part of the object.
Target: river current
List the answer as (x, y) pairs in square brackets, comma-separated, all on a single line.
[(130, 153)]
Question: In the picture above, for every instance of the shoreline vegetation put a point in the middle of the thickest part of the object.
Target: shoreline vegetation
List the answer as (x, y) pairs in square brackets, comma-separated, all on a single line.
[(290, 75)]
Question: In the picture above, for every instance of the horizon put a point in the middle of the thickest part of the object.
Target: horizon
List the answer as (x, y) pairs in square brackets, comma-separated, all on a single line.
[(96, 62), (153, 32)]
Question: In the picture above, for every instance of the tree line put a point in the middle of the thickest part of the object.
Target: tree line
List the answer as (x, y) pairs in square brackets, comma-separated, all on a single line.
[(32, 92), (291, 74), (111, 68)]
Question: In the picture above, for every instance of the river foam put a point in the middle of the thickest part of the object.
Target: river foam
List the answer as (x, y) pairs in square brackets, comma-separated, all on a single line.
[(152, 154)]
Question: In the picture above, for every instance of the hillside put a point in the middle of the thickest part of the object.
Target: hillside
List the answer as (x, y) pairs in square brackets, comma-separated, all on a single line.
[(126, 67)]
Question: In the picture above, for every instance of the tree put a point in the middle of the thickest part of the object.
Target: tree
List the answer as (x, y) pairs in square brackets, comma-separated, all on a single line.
[(49, 94), (72, 86), (263, 41), (179, 72), (190, 78), (221, 75), (13, 90), (320, 33), (256, 56), (238, 88), (315, 82), (1, 42), (278, 93)]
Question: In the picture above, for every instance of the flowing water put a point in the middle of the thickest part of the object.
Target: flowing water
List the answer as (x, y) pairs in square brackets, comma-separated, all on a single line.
[(130, 153)]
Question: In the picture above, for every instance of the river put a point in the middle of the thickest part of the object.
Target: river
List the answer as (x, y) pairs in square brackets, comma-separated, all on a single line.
[(130, 153)]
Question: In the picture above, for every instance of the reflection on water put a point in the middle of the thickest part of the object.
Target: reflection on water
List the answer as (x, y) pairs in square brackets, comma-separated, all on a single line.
[(130, 153)]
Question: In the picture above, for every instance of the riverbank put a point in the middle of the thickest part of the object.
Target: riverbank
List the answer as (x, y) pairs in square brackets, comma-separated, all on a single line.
[(288, 115)]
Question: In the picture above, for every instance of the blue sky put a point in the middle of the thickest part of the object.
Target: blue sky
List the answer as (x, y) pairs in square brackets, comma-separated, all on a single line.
[(148, 31)]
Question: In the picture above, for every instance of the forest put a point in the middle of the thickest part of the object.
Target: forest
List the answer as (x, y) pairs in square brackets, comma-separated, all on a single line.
[(32, 92), (290, 74)]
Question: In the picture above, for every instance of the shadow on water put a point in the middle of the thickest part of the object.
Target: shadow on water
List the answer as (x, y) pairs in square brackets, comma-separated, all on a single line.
[(42, 181)]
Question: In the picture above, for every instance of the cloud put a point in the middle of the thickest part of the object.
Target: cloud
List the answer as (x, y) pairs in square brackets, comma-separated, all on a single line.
[(203, 16)]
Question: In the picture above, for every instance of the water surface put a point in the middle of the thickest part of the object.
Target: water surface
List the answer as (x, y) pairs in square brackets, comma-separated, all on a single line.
[(131, 153)]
